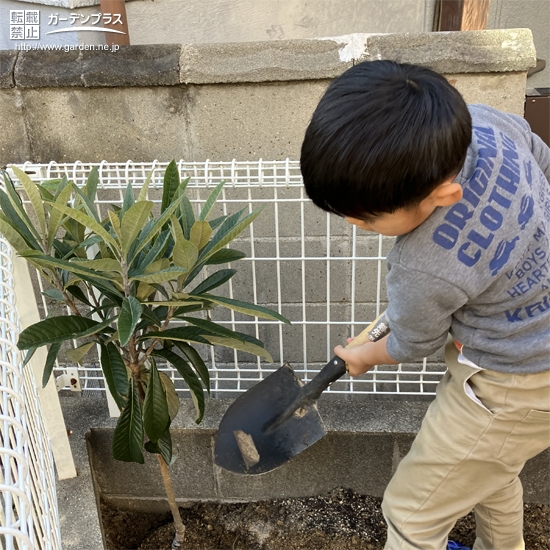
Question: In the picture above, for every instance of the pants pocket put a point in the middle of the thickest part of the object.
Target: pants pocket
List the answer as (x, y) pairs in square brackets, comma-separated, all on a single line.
[(529, 436)]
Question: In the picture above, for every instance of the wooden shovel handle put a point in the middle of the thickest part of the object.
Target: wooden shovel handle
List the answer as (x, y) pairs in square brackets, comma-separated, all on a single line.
[(375, 331)]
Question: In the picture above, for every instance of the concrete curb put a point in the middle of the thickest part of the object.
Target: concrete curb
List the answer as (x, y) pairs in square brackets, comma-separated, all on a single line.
[(366, 439), (510, 50)]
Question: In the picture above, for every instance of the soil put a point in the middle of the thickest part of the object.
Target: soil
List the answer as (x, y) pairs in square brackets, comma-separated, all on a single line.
[(341, 520)]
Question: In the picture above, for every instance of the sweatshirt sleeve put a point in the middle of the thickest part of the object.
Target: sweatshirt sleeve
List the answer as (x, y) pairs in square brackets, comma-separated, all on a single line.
[(539, 149), (419, 312), (541, 152)]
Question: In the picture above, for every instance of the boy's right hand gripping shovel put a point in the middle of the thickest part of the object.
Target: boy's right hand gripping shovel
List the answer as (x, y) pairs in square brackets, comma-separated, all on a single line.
[(278, 418)]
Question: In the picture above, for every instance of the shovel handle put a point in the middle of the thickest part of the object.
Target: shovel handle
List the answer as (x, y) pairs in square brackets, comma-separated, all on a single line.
[(336, 367), (333, 370)]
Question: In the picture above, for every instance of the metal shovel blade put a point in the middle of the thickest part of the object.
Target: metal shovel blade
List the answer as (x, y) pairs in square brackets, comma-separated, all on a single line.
[(242, 446)]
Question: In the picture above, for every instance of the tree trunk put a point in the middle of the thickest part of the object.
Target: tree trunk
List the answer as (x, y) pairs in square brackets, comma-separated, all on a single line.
[(178, 523)]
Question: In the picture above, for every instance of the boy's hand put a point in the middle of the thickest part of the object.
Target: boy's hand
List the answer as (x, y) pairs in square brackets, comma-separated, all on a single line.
[(356, 358), (361, 359)]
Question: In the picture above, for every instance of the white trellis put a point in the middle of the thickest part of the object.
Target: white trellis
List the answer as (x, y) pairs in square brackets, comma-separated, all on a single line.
[(28, 507)]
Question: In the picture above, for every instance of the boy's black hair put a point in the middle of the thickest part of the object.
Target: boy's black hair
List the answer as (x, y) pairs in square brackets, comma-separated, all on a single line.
[(383, 136)]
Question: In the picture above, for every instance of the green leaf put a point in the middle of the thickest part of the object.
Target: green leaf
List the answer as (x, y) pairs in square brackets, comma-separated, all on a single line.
[(241, 346), (185, 254), (128, 434), (159, 224), (196, 360), (132, 223), (213, 281), (155, 251), (185, 334), (88, 222), (72, 267), (59, 329), (210, 201), (156, 418), (187, 216), (212, 328), (171, 395), (54, 294), (173, 303), (55, 215), (190, 378), (17, 218), (162, 447), (170, 185), (227, 232), (28, 355), (243, 307), (53, 352), (90, 189), (160, 277), (200, 234), (115, 373), (115, 223), (76, 355), (13, 236), (130, 314), (225, 255), (34, 196), (128, 201), (101, 264), (76, 291), (51, 185), (83, 199), (143, 191)]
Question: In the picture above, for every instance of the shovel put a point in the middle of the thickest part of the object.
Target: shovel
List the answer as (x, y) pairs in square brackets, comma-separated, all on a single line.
[(278, 418)]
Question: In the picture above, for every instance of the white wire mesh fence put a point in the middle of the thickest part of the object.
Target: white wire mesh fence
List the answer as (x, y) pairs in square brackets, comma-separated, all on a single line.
[(28, 507), (310, 266)]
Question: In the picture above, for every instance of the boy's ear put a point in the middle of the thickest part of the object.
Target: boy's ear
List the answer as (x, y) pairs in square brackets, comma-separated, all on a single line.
[(446, 194)]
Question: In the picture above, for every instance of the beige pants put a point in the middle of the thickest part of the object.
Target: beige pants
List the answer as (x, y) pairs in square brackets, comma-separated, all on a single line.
[(467, 455)]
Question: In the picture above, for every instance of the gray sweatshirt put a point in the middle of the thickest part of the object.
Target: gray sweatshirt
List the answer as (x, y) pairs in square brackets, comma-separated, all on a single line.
[(480, 268)]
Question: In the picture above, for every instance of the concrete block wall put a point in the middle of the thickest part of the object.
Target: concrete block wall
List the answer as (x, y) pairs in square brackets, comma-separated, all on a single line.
[(241, 101), (221, 101)]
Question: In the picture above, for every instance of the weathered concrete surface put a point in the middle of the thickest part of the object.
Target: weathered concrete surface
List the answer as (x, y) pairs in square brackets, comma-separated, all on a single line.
[(68, 124), (535, 15), (255, 20), (14, 142), (261, 61), (505, 90), (223, 101), (476, 51), (7, 65)]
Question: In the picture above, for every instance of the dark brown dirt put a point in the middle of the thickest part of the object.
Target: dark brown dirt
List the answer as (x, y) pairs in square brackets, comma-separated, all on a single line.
[(342, 520)]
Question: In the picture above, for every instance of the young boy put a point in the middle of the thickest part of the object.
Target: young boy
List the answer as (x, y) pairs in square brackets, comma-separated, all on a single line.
[(394, 149)]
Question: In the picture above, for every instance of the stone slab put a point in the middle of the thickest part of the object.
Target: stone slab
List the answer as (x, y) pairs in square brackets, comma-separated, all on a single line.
[(153, 65), (7, 65), (510, 50), (261, 61), (48, 68)]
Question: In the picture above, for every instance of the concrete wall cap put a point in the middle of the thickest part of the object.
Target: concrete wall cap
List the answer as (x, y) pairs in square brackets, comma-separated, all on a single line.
[(7, 64), (154, 65), (499, 51)]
